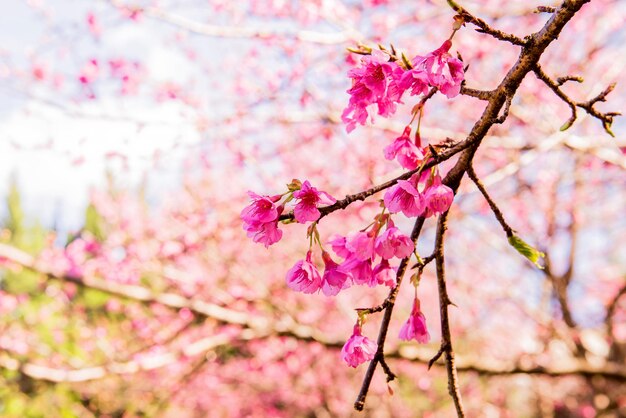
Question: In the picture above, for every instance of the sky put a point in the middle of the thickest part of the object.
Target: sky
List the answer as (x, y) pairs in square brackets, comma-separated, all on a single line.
[(57, 150)]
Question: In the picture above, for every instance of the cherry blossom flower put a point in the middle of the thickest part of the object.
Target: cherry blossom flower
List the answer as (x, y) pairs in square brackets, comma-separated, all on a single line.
[(415, 79), (359, 270), (309, 198), (415, 327), (261, 210), (408, 154), (438, 196), (383, 273), (339, 245), (404, 197), (373, 82), (334, 280), (361, 245), (260, 219), (266, 233), (304, 276), (393, 243), (358, 349), (443, 70)]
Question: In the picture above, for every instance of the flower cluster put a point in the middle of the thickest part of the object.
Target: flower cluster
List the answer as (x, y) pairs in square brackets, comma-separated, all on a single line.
[(405, 197), (375, 82), (360, 251), (260, 218), (382, 80), (366, 257)]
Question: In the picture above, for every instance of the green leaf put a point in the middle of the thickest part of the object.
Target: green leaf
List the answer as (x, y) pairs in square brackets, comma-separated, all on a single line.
[(566, 126), (526, 250)]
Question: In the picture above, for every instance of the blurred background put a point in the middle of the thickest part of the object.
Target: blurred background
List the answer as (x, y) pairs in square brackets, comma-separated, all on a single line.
[(130, 132)]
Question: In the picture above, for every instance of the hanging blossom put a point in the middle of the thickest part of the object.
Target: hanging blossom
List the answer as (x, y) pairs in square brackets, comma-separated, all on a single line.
[(260, 219), (374, 82), (393, 243), (438, 197), (357, 249), (408, 154), (415, 327), (404, 197), (358, 349), (334, 280), (442, 70), (304, 276), (309, 198), (384, 274), (383, 82)]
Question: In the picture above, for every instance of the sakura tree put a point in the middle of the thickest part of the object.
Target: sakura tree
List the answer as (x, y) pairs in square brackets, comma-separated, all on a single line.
[(479, 236)]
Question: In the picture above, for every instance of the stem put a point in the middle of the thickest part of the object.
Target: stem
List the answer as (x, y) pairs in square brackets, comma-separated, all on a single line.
[(444, 301)]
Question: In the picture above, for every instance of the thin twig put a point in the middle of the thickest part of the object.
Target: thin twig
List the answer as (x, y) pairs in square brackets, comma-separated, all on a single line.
[(505, 113), (494, 208), (444, 302), (384, 326), (478, 94), (605, 118), (484, 27)]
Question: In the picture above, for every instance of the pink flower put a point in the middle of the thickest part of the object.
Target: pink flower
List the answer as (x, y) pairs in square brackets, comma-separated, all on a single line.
[(261, 210), (359, 270), (443, 70), (260, 219), (415, 79), (415, 326), (438, 196), (358, 349), (392, 243), (383, 273), (404, 197), (304, 276), (334, 280), (339, 246), (309, 198), (266, 233), (372, 82), (361, 245), (408, 154)]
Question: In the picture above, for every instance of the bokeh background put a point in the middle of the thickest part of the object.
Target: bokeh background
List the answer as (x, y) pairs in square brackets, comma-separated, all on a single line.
[(130, 132)]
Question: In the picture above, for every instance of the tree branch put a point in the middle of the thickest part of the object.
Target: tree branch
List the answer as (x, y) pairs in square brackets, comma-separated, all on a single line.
[(384, 326), (484, 27), (605, 118), (444, 302), (494, 208)]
